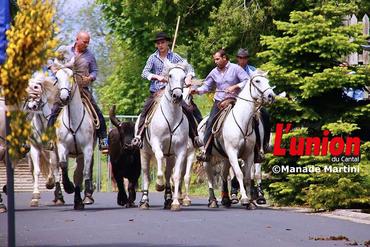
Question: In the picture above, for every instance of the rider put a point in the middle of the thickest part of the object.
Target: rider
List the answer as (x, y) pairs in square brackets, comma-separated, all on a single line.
[(153, 72), (85, 71), (228, 78)]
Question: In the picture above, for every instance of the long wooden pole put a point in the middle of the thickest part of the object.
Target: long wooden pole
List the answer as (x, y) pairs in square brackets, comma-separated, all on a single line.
[(174, 38)]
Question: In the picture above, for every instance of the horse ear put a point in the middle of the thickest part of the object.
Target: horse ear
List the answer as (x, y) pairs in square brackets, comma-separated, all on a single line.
[(266, 73)]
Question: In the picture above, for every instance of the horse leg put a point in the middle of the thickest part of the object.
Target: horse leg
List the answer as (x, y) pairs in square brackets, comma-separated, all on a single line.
[(248, 181), (85, 162), (234, 187), (225, 191), (187, 177), (2, 205), (168, 192), (159, 186), (78, 180), (58, 194), (212, 201), (239, 175), (63, 164), (34, 160), (258, 176), (145, 159)]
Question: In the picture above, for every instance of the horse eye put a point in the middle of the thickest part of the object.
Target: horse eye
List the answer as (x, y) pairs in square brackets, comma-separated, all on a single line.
[(258, 81), (170, 76)]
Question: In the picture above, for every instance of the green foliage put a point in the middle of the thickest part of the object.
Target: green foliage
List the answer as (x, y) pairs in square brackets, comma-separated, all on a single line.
[(303, 61), (124, 87)]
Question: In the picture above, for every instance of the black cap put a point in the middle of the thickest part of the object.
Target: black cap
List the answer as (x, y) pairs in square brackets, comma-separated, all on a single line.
[(242, 53), (161, 36)]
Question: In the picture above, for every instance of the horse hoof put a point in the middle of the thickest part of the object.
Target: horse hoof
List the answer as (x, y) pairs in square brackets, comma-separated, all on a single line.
[(234, 199), (245, 201), (144, 205), (251, 206), (226, 202), (88, 200), (34, 203), (261, 200), (159, 188), (186, 202), (130, 205), (79, 206), (36, 196), (50, 183), (213, 204), (59, 202), (2, 208), (69, 188), (167, 204), (175, 207)]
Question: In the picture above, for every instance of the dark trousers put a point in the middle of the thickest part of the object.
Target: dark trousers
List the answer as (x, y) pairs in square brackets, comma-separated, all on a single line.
[(209, 124), (188, 111), (57, 108)]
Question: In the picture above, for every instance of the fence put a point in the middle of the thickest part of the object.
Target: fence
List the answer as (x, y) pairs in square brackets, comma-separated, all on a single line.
[(359, 58), (98, 159)]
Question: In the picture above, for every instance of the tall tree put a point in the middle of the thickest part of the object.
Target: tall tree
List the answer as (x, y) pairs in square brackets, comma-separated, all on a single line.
[(303, 61)]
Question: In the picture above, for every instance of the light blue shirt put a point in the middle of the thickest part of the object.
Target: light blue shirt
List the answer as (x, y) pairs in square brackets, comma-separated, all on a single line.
[(231, 75)]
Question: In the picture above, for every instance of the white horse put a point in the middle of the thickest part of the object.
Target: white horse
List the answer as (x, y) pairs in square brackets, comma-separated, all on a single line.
[(237, 137), (41, 95), (166, 138), (75, 137)]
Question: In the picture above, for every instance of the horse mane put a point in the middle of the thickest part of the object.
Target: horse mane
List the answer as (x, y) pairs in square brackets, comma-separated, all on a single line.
[(47, 84), (168, 66)]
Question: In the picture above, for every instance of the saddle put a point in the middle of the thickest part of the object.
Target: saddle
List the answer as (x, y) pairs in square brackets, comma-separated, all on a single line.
[(153, 107), (225, 107), (86, 100)]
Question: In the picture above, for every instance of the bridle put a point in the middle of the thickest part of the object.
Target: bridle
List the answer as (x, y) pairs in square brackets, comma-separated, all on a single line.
[(170, 89)]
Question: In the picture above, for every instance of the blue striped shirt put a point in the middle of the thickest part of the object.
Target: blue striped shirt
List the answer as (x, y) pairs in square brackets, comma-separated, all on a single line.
[(154, 66)]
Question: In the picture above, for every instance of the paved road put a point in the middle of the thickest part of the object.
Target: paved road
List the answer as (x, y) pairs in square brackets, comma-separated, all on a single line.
[(105, 224)]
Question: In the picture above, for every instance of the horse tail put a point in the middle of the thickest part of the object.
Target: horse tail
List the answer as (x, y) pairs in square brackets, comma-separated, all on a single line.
[(44, 163), (112, 116)]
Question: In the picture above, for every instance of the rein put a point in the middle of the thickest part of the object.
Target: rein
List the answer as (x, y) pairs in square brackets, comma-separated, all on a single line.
[(171, 131)]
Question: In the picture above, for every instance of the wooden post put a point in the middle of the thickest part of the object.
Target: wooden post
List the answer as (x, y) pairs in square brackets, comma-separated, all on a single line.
[(174, 38)]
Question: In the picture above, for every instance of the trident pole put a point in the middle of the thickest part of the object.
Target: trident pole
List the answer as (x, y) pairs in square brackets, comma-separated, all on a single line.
[(4, 22), (177, 29), (10, 187)]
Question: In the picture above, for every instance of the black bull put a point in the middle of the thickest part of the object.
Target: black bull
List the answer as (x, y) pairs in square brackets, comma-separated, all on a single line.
[(125, 159)]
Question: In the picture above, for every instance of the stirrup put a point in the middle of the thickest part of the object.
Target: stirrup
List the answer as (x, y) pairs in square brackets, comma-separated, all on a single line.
[(103, 145), (136, 142)]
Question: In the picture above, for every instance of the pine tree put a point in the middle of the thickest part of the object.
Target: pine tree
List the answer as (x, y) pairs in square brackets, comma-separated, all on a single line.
[(303, 61)]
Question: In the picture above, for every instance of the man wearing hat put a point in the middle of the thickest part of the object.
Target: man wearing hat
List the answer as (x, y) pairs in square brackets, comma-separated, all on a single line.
[(242, 58), (153, 72)]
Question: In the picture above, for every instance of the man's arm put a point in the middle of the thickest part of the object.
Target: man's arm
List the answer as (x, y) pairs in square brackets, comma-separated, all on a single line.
[(93, 69), (147, 74)]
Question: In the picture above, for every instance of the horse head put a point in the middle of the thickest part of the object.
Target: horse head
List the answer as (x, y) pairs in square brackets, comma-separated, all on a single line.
[(260, 88), (175, 74), (66, 85), (40, 91)]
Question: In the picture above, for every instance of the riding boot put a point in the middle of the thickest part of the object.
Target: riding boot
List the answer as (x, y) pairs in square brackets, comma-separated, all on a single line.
[(57, 108), (193, 132), (137, 140)]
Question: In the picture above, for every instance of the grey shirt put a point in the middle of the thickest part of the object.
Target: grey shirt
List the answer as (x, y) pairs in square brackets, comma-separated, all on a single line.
[(84, 65)]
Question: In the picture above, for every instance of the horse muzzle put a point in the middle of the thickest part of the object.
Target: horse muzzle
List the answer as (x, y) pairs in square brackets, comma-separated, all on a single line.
[(176, 97)]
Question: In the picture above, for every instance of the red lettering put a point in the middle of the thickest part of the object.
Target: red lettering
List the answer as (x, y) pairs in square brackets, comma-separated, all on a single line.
[(315, 142), (324, 144), (336, 146), (355, 141), (278, 151), (293, 150)]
